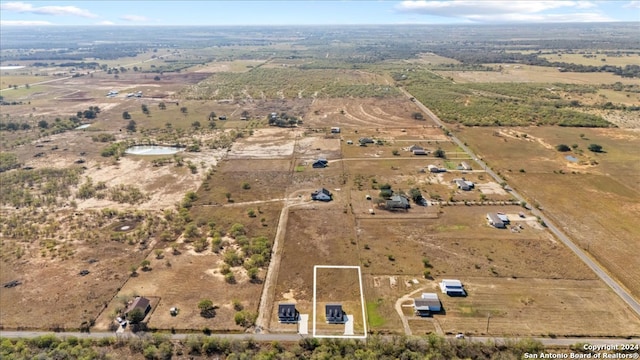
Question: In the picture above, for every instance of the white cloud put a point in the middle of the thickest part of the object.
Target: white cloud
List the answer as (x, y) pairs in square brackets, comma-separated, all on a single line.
[(105, 22), (504, 11), (633, 4), (23, 23), (47, 10), (134, 18)]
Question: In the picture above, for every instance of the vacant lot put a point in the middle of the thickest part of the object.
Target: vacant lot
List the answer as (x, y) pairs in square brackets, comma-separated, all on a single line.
[(538, 307), (603, 207)]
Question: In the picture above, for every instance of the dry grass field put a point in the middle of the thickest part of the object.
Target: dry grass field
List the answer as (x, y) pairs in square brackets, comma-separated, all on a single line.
[(594, 59), (538, 307), (601, 213), (529, 283), (533, 74)]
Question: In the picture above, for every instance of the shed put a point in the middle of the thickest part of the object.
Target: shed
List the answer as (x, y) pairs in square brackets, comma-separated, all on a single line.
[(287, 313), (426, 304), (452, 287), (495, 221), (335, 130), (334, 314)]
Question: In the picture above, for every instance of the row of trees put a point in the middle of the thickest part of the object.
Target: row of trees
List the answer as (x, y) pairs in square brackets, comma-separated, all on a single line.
[(158, 346)]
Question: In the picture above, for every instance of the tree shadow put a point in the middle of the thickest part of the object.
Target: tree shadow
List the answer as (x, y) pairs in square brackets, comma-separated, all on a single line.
[(209, 313)]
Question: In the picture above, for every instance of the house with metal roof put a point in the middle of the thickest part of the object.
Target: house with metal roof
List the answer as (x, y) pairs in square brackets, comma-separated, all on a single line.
[(427, 304), (398, 202), (452, 287), (495, 221)]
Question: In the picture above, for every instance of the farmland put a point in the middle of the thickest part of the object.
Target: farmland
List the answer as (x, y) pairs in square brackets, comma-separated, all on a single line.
[(227, 218)]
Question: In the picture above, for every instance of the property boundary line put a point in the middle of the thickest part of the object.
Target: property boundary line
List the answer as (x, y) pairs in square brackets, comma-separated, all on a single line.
[(364, 315)]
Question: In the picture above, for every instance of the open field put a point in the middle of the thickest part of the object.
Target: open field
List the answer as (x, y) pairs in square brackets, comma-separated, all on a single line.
[(607, 183), (533, 74), (522, 307), (594, 59), (202, 223)]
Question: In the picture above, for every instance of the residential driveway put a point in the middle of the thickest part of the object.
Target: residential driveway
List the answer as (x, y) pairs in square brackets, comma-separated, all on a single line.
[(348, 326), (303, 324)]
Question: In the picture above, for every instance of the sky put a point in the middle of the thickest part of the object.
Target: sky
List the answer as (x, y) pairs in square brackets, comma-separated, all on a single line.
[(312, 12)]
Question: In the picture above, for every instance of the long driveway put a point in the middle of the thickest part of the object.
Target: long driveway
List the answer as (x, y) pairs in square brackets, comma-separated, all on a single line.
[(621, 292)]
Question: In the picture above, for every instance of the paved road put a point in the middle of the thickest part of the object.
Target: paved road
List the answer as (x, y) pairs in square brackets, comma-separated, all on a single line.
[(622, 293)]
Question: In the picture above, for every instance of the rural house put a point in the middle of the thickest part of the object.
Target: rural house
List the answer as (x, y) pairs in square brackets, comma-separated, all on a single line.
[(320, 164), (365, 141), (464, 184), (398, 202), (495, 221), (452, 288), (141, 303), (321, 195), (426, 304), (413, 148), (288, 314), (334, 314)]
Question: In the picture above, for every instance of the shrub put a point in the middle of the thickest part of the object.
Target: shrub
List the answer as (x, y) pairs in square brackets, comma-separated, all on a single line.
[(595, 148), (563, 148)]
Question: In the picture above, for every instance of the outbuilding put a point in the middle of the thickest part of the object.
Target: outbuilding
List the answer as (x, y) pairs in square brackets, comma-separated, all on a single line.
[(452, 287), (427, 304), (495, 221)]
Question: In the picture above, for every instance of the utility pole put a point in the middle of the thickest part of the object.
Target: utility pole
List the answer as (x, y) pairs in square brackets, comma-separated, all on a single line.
[(488, 317)]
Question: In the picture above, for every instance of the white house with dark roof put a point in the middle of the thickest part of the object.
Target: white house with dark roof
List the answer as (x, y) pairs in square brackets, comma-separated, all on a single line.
[(452, 287), (495, 221)]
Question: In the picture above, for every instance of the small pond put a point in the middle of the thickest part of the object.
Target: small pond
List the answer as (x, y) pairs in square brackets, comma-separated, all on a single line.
[(153, 150), (571, 158), (83, 126)]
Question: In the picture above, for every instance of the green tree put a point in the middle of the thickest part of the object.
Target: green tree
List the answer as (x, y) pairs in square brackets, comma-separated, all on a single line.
[(563, 148), (196, 125), (184, 110), (162, 106), (43, 124), (417, 115), (439, 153), (126, 115), (145, 265), (212, 116), (131, 126), (145, 109), (207, 310), (135, 316), (595, 148), (415, 195)]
